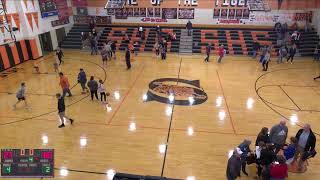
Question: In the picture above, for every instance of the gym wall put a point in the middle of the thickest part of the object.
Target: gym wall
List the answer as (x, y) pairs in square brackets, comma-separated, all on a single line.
[(19, 52)]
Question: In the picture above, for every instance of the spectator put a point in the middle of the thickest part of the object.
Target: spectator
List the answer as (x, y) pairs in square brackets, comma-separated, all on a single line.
[(264, 51), (279, 169), (208, 50), (245, 148), (306, 144), (221, 53), (128, 62), (140, 31), (234, 165), (278, 135), (290, 150), (104, 54), (266, 60), (256, 47), (157, 48), (136, 48), (94, 45), (94, 33), (163, 52), (93, 86), (292, 52), (113, 49), (189, 27), (82, 80), (263, 136), (65, 86), (91, 23), (282, 54), (267, 156), (158, 30)]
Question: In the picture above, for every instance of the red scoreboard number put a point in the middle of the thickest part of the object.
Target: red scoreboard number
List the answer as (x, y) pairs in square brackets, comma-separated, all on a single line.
[(46, 155), (7, 154)]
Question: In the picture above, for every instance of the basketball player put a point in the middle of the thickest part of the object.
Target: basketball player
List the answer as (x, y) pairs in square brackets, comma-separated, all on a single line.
[(65, 86), (61, 110), (21, 95)]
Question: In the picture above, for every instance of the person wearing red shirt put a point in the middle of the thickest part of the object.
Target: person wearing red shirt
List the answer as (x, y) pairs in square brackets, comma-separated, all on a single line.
[(220, 53), (279, 170), (64, 83)]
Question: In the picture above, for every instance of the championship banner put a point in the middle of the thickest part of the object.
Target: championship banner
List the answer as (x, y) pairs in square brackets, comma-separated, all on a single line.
[(36, 18), (157, 12), (143, 12), (186, 13), (48, 8), (29, 18), (121, 13), (169, 13), (33, 4)]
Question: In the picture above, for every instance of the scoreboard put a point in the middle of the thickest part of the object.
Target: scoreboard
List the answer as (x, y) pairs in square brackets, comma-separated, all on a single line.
[(28, 163)]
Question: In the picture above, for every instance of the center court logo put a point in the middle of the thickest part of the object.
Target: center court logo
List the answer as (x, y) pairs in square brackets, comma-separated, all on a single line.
[(176, 91)]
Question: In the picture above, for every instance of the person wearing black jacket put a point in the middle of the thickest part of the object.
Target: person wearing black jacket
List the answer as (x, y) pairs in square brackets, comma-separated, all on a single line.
[(113, 49), (59, 54), (189, 27), (263, 136), (306, 144), (128, 59), (292, 52), (267, 156), (61, 110), (255, 48), (93, 86), (234, 166)]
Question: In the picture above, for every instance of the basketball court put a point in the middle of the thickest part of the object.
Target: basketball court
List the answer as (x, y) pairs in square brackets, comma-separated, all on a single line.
[(148, 137)]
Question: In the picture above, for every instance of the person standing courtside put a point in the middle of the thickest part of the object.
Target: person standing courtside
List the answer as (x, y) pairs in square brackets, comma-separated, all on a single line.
[(234, 165), (59, 54), (265, 62), (128, 59), (93, 86), (278, 135), (292, 52), (208, 50), (221, 53), (82, 79), (189, 27), (61, 110), (306, 145), (255, 48), (64, 83), (21, 95), (94, 44)]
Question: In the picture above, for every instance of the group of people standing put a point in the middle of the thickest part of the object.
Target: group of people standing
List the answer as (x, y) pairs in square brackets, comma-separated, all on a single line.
[(221, 52), (273, 156), (265, 54)]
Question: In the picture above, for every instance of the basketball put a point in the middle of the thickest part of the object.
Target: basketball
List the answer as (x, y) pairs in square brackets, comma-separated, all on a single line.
[(108, 94)]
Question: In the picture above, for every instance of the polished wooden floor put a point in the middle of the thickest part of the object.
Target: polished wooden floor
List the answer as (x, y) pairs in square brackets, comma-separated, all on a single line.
[(241, 100)]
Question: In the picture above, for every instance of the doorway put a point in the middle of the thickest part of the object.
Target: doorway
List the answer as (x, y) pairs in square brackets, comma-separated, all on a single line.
[(46, 43)]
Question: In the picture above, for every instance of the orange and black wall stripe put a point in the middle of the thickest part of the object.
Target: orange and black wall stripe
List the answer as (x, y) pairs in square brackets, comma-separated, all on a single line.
[(19, 52)]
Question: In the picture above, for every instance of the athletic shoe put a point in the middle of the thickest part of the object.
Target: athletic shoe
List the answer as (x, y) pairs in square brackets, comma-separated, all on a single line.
[(61, 126), (71, 121)]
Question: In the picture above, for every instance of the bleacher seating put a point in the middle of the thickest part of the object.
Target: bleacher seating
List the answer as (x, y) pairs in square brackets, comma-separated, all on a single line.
[(118, 33), (236, 41), (73, 38)]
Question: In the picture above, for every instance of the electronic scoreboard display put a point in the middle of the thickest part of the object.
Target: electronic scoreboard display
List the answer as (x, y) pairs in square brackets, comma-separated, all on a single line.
[(28, 163)]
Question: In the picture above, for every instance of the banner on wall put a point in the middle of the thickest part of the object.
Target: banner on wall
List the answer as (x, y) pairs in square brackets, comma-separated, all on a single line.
[(36, 18), (150, 12), (143, 12), (186, 13), (169, 13), (29, 18), (153, 20), (1, 21), (48, 8)]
